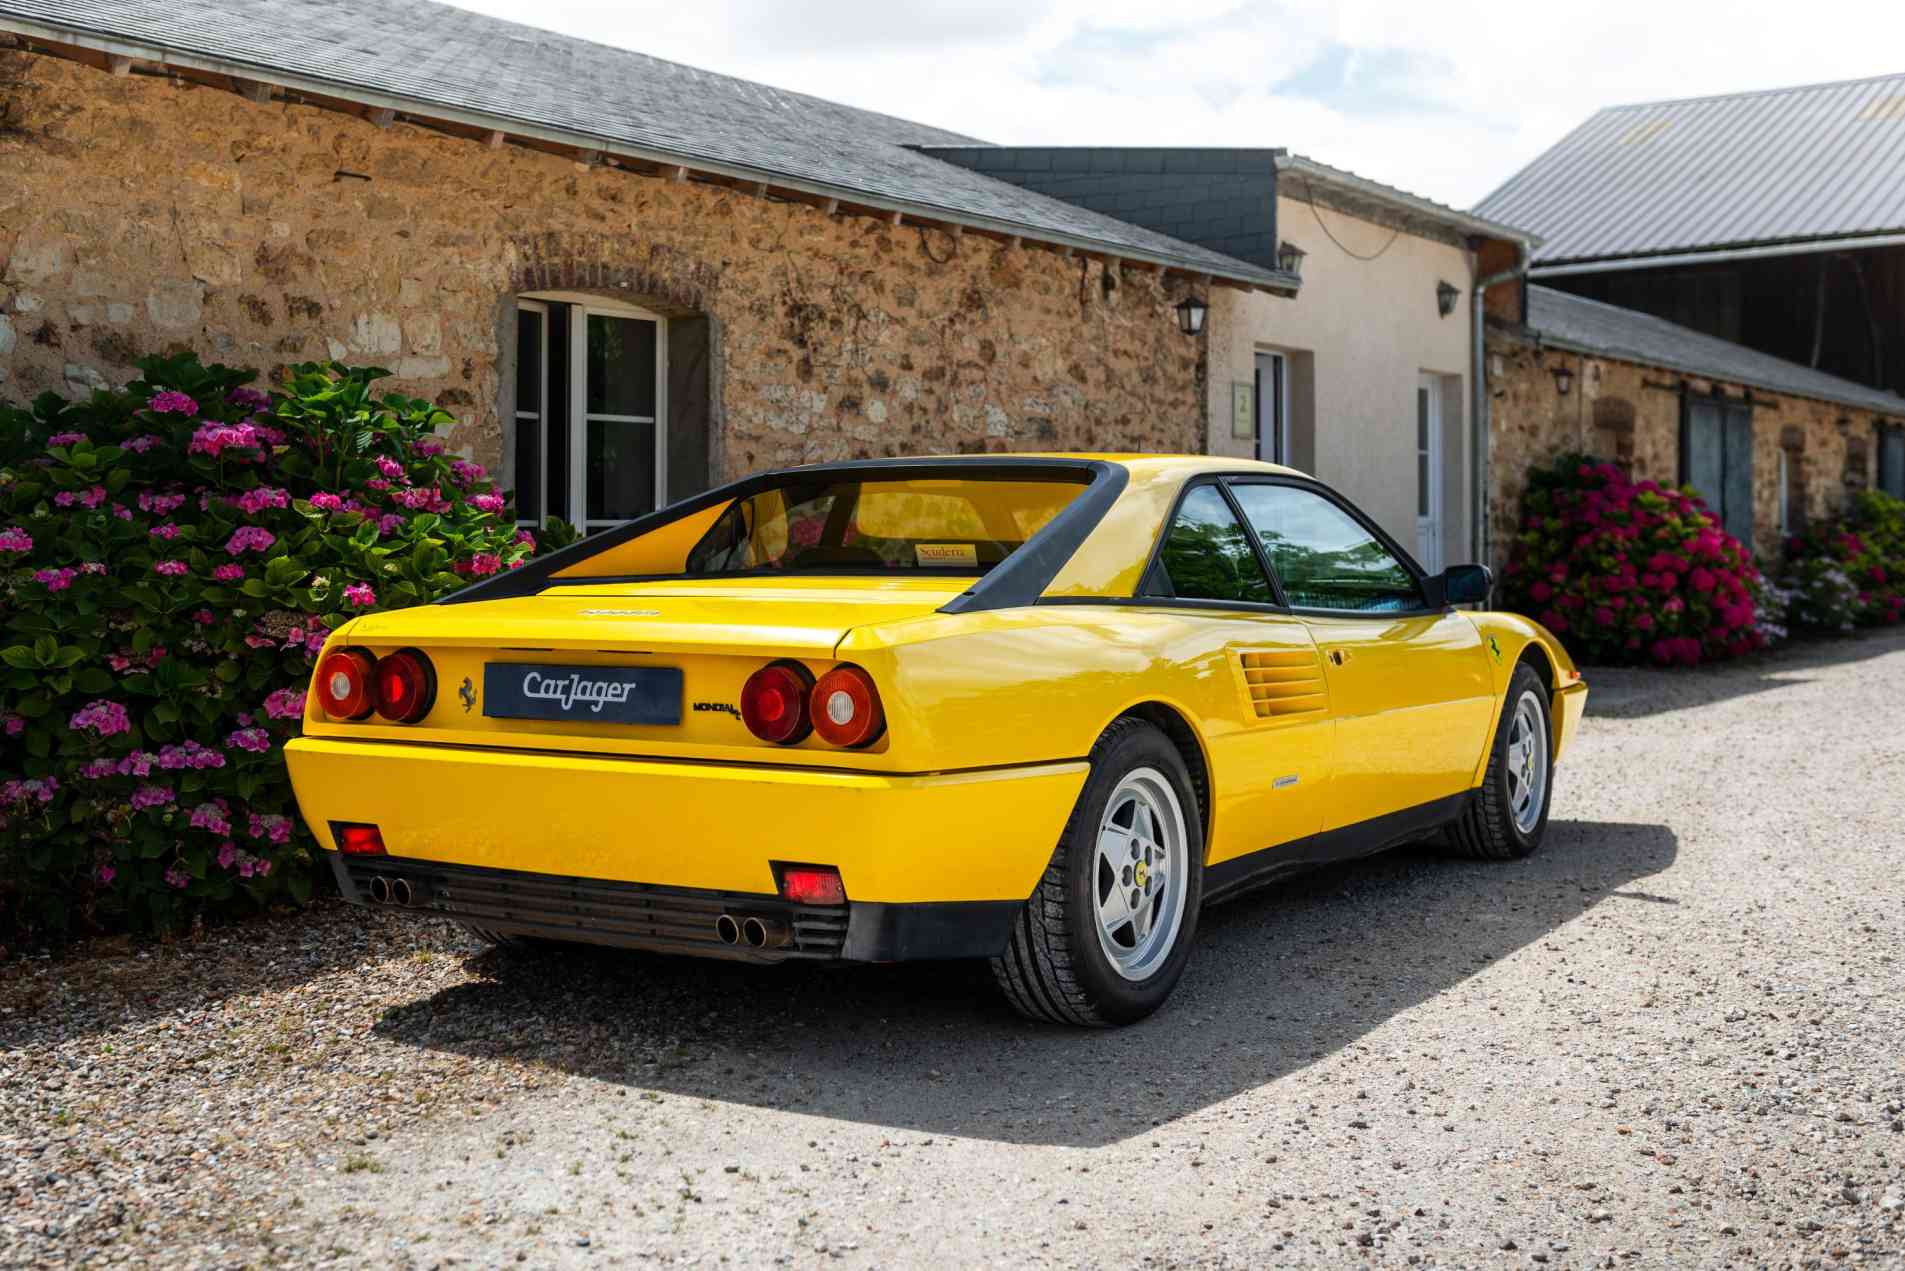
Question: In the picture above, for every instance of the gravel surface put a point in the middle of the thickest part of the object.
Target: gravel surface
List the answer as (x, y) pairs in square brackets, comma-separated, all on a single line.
[(1676, 1037)]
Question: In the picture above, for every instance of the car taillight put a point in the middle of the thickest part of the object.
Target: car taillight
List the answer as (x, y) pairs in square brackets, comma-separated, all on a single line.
[(846, 708), (403, 686), (774, 703), (812, 885), (359, 840), (343, 684)]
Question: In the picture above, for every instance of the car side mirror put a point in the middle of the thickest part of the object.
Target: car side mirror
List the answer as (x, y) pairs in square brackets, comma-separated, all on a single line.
[(1465, 584)]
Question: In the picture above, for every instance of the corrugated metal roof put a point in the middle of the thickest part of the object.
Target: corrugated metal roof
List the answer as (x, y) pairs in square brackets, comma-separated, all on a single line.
[(1588, 326), (432, 58), (1823, 162)]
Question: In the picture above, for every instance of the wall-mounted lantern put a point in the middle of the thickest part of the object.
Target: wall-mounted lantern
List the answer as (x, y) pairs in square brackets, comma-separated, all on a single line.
[(1190, 315), (1290, 258), (1445, 297), (1563, 379)]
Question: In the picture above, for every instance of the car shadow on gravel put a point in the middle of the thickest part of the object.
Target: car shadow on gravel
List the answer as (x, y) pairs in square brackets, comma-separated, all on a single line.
[(1639, 692), (1280, 979)]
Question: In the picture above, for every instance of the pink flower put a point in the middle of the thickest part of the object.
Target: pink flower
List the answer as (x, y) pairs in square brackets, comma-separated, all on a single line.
[(88, 499), (256, 740), (151, 797), (275, 828), (252, 502), (55, 579), (1702, 579), (214, 439), (161, 504), (227, 854), (1604, 616), (13, 539), (214, 816), (327, 502), (421, 498), (248, 399), (286, 703), (249, 538), (526, 539), (167, 531), (139, 445), (172, 402), (360, 595), (65, 439), (12, 725), (172, 568), (480, 565), (229, 573), (463, 472), (189, 755), (37, 789), (1541, 591), (105, 874), (177, 877), (493, 503), (389, 523), (1667, 581), (1645, 621), (429, 447), (378, 484), (103, 719), (389, 467)]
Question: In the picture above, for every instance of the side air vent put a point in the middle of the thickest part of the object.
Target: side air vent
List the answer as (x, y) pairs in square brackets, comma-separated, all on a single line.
[(1285, 682)]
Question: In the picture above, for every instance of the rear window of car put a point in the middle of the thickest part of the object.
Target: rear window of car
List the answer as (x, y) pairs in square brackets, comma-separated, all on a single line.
[(944, 525)]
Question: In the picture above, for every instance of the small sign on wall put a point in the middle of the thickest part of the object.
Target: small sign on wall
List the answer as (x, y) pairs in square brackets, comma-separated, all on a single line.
[(1243, 410)]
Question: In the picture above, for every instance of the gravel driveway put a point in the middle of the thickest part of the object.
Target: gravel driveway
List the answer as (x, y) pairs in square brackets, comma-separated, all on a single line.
[(1676, 1037)]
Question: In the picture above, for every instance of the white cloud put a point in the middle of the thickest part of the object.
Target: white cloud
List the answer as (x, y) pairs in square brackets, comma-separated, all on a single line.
[(1445, 99)]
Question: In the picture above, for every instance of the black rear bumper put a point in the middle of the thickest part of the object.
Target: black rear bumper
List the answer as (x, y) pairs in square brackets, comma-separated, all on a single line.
[(677, 919)]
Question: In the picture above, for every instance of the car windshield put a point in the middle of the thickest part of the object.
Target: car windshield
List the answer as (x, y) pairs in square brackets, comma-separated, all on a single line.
[(963, 525)]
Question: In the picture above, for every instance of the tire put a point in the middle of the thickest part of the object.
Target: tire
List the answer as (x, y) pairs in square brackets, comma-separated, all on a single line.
[(1058, 967), (1500, 824)]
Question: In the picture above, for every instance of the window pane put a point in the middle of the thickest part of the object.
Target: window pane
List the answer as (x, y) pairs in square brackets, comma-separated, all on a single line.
[(621, 471), (529, 360), (1208, 556), (528, 423), (621, 365), (1323, 556)]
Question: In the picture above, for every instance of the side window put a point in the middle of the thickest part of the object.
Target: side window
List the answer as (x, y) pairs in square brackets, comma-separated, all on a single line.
[(1323, 556), (1207, 555)]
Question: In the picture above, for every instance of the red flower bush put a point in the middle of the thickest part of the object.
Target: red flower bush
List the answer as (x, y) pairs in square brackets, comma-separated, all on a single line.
[(1629, 571)]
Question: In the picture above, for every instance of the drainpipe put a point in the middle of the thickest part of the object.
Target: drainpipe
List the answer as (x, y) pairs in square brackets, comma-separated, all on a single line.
[(1478, 413)]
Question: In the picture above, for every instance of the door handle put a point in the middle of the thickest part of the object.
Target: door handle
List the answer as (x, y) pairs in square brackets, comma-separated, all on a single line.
[(1338, 657)]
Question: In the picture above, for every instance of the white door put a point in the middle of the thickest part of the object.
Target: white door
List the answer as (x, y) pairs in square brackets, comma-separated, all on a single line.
[(616, 445), (1429, 473), (1273, 408)]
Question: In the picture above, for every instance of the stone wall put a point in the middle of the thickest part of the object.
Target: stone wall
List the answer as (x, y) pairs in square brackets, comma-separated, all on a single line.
[(143, 214), (1630, 413)]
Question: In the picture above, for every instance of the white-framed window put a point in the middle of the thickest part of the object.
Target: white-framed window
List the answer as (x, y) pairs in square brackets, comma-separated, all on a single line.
[(1273, 408), (590, 409)]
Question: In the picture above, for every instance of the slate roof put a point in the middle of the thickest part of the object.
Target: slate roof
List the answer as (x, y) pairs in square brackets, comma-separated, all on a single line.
[(1821, 163), (434, 60), (1588, 326)]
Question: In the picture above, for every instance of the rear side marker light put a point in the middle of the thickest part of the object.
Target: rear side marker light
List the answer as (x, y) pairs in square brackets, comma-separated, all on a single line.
[(774, 703), (812, 885), (360, 840), (343, 684), (846, 708), (404, 686)]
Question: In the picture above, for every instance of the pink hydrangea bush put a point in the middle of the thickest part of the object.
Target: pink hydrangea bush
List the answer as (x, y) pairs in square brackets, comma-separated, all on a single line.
[(1850, 572), (1632, 572), (172, 556)]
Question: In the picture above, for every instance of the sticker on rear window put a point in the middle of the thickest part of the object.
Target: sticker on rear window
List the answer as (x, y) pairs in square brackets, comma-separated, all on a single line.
[(946, 554)]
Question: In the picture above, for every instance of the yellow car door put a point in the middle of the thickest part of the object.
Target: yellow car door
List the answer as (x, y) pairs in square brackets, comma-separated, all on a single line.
[(1410, 686), (1271, 739)]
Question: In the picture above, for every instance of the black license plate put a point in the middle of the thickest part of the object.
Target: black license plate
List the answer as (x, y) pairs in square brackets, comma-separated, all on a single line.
[(585, 694)]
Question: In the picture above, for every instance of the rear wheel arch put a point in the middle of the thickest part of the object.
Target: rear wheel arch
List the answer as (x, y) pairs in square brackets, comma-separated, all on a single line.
[(1190, 747)]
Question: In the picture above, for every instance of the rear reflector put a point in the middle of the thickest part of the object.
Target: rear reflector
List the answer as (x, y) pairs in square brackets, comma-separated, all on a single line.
[(813, 885), (360, 840)]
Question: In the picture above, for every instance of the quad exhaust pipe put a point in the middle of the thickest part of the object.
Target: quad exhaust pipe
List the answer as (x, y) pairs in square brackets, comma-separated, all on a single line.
[(390, 891), (755, 933)]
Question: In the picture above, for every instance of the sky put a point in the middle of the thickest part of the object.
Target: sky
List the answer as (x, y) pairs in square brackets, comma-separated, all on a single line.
[(1443, 99)]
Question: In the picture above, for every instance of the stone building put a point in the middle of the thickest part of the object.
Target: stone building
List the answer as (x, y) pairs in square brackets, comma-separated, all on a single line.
[(1768, 443), (630, 279), (627, 278)]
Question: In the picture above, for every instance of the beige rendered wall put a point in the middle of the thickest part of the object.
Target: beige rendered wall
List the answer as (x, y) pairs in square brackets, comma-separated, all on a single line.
[(1363, 330)]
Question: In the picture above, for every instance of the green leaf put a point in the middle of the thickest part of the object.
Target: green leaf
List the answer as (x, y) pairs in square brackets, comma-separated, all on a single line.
[(21, 656)]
